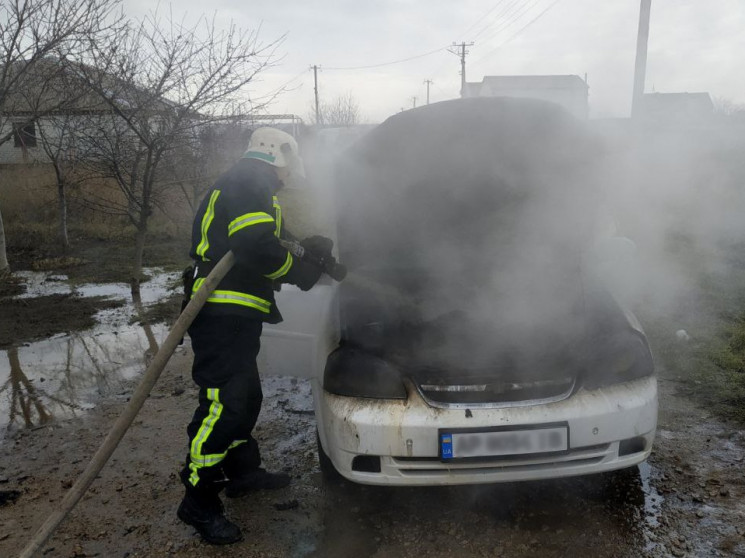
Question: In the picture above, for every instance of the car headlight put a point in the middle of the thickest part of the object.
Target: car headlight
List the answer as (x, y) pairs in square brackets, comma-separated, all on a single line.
[(355, 373), (618, 358)]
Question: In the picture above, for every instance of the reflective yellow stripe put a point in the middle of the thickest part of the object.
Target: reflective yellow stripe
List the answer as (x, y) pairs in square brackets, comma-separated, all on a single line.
[(282, 270), (196, 459), (207, 218), (208, 460), (248, 219), (277, 216), (237, 443), (241, 299), (234, 297)]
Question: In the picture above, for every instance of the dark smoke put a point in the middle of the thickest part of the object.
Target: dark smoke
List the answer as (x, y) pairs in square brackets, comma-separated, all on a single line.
[(478, 214)]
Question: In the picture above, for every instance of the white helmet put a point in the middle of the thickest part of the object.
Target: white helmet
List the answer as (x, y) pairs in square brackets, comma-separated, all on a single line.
[(277, 148)]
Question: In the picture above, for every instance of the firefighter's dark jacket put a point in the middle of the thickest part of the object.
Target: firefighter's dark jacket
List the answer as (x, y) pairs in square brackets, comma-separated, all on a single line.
[(241, 213)]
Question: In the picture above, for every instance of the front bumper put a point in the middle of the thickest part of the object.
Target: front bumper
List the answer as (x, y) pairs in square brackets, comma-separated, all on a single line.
[(404, 434)]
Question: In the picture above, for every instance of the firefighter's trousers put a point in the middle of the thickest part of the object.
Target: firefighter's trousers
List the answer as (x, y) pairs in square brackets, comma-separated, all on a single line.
[(220, 441)]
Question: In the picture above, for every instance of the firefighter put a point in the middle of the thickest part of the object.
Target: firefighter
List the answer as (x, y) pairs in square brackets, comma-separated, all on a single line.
[(240, 213)]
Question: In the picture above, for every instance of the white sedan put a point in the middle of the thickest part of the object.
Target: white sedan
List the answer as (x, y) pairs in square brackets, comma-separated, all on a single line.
[(474, 339), (404, 432)]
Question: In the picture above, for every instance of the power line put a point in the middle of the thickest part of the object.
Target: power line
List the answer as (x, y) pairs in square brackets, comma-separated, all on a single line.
[(523, 28), (389, 63), (482, 18), (288, 82), (281, 89), (506, 11), (531, 22), (515, 17)]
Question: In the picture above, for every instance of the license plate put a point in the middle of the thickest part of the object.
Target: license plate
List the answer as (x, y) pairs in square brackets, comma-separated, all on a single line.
[(496, 443)]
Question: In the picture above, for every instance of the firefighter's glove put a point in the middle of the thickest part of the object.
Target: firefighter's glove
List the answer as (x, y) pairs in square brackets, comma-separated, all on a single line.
[(319, 246), (303, 274)]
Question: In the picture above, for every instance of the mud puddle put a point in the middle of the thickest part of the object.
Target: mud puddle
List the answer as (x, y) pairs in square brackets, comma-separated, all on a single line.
[(68, 373), (59, 378), (44, 284)]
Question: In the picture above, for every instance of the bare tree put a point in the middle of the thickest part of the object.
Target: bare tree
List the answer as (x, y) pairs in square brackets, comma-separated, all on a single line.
[(59, 135), (194, 166), (59, 132), (54, 141), (163, 83), (342, 111), (32, 32), (727, 107)]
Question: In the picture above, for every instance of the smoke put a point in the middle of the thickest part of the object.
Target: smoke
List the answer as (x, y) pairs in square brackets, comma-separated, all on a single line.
[(676, 189), (479, 211), (484, 228)]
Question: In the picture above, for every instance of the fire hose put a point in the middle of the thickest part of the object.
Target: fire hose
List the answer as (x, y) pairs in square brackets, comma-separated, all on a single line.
[(151, 375)]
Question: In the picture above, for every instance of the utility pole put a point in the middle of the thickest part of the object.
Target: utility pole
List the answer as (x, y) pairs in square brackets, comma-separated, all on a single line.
[(428, 82), (462, 55), (640, 68), (315, 88), (414, 100)]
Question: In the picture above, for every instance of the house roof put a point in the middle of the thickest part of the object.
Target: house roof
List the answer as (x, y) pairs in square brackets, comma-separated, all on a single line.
[(511, 83), (53, 87)]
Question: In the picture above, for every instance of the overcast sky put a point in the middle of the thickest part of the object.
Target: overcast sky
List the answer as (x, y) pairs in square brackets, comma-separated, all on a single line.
[(694, 45)]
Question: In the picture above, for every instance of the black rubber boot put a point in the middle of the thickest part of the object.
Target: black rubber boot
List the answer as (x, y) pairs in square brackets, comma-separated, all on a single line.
[(257, 479), (203, 510)]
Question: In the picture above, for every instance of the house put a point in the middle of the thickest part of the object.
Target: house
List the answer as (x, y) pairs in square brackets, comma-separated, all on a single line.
[(568, 91), (681, 108), (52, 108), (34, 97)]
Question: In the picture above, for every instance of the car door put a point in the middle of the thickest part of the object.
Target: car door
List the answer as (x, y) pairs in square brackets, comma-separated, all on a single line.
[(299, 345)]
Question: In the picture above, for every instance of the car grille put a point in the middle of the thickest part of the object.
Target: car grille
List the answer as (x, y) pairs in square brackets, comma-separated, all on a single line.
[(429, 466), (494, 393)]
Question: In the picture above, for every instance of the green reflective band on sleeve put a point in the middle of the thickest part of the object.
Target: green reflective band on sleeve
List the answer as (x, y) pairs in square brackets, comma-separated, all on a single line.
[(235, 297), (197, 460), (282, 270), (248, 219), (207, 218), (277, 216), (259, 155)]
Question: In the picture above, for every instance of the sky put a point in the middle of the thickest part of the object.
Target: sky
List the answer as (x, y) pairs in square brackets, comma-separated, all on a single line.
[(693, 46)]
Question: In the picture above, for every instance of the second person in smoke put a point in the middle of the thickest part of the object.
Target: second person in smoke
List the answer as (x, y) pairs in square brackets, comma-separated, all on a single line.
[(240, 213)]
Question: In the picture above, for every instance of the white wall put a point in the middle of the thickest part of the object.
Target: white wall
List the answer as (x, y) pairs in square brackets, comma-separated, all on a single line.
[(75, 134)]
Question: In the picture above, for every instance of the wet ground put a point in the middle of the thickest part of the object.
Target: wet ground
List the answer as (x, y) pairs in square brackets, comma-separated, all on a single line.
[(689, 500), (92, 342)]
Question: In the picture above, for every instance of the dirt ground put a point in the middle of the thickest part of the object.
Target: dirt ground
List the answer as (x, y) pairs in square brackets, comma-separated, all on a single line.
[(688, 501), (41, 317)]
